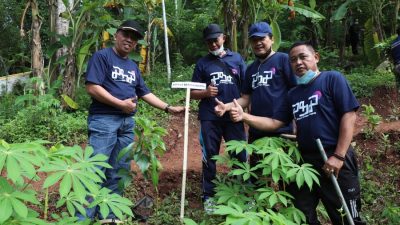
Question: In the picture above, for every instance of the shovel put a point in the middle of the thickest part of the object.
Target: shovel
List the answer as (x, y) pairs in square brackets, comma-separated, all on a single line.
[(335, 184)]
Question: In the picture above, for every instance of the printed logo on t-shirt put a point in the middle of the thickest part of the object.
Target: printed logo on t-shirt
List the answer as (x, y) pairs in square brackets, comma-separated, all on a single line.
[(220, 78), (261, 79), (119, 75), (304, 109)]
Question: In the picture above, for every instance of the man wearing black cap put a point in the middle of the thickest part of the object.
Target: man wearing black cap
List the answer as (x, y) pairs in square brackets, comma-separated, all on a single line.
[(223, 72), (114, 82), (268, 80)]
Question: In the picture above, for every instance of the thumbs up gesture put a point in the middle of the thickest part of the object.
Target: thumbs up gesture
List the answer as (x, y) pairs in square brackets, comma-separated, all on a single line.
[(236, 112), (220, 108)]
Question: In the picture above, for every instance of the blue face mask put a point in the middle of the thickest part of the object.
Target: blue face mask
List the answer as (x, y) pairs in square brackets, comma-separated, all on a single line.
[(306, 78)]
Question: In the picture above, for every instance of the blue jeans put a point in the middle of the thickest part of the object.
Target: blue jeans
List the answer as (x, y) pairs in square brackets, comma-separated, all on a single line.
[(108, 135)]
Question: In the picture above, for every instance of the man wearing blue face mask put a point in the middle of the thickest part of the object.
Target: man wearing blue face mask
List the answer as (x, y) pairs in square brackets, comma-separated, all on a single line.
[(323, 106), (223, 72)]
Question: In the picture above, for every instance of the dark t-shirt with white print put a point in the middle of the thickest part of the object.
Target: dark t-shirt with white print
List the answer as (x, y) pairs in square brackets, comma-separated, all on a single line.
[(119, 76), (318, 108)]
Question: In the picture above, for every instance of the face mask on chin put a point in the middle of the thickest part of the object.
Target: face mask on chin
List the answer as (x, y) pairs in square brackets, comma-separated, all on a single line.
[(218, 51), (306, 78)]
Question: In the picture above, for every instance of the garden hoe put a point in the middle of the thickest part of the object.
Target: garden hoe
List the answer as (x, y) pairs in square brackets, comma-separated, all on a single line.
[(335, 184), (188, 86)]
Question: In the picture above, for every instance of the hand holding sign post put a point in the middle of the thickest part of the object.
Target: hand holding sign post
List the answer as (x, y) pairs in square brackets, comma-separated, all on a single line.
[(188, 86)]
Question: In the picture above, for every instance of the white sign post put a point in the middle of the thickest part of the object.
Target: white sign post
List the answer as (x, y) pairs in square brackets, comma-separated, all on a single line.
[(188, 86)]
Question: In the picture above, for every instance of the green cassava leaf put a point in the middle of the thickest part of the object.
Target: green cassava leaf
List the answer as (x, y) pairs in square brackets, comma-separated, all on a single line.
[(52, 179), (5, 209), (19, 207)]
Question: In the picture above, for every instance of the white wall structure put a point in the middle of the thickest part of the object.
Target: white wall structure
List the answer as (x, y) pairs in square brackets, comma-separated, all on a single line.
[(7, 83)]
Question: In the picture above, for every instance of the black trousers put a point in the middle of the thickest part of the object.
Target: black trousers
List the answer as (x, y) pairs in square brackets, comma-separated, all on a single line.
[(211, 135), (307, 200), (396, 71)]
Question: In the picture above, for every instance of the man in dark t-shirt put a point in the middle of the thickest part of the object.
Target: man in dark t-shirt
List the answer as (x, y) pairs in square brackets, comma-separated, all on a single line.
[(114, 82), (323, 106), (223, 72), (268, 80)]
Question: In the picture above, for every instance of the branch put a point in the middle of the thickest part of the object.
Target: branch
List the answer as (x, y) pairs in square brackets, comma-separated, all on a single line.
[(21, 31)]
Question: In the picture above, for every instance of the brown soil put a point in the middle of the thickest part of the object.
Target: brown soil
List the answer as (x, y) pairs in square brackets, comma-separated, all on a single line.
[(383, 100), (170, 180)]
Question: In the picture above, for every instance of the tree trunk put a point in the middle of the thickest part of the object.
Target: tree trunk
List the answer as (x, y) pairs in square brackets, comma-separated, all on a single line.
[(148, 48), (329, 38), (37, 54), (396, 14), (234, 26), (244, 24), (70, 72), (69, 81), (229, 12), (52, 67), (62, 24), (342, 44)]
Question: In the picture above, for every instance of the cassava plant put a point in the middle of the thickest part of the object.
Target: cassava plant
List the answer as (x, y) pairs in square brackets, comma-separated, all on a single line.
[(257, 195), (146, 150), (373, 120), (71, 172)]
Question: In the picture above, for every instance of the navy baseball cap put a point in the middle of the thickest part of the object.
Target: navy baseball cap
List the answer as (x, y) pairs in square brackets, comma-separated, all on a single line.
[(132, 25), (212, 31), (260, 29)]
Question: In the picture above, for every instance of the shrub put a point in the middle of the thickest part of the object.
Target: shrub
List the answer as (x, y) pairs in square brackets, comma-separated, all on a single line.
[(261, 202), (373, 120), (72, 171), (33, 122), (365, 80)]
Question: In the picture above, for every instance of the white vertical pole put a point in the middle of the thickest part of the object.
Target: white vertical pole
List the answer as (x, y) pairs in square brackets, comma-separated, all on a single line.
[(185, 150), (166, 42), (176, 8)]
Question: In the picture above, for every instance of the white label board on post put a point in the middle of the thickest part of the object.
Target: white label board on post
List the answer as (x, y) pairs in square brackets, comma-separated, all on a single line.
[(188, 86), (191, 85)]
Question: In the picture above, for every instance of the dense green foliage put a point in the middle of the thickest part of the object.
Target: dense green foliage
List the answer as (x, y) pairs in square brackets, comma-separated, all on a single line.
[(72, 171), (365, 80), (27, 116)]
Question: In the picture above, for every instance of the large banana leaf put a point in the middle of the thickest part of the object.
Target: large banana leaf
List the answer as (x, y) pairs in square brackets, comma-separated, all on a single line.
[(276, 32), (305, 11), (341, 12)]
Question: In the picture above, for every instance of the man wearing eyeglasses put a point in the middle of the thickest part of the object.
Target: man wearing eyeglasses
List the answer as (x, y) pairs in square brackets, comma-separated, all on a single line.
[(115, 84)]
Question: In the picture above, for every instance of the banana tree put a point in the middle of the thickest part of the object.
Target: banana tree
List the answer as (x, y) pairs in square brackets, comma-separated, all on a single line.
[(271, 10), (87, 20), (58, 27)]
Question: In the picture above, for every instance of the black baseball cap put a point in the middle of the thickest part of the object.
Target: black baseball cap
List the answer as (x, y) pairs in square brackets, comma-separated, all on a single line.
[(132, 25), (212, 31)]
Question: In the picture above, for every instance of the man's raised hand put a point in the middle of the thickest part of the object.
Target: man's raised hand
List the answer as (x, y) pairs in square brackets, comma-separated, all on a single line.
[(236, 112)]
